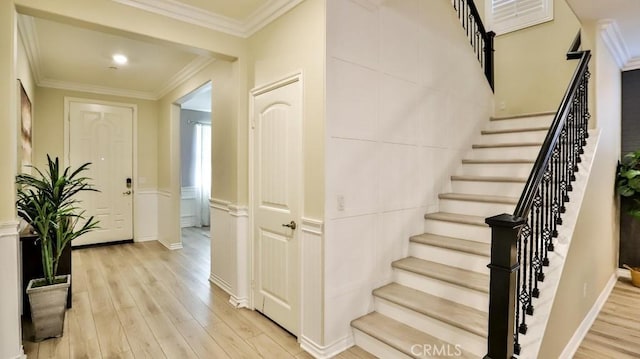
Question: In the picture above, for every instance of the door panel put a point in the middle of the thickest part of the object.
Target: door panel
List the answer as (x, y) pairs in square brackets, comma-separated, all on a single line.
[(103, 135), (277, 185)]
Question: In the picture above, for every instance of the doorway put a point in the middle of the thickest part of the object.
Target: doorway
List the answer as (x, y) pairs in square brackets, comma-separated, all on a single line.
[(195, 157), (276, 198), (101, 133)]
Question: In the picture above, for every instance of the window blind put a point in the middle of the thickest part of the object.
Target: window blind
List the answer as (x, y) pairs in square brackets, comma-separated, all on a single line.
[(510, 15)]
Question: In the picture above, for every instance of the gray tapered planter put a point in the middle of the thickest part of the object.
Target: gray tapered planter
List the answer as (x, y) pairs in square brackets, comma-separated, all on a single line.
[(48, 304)]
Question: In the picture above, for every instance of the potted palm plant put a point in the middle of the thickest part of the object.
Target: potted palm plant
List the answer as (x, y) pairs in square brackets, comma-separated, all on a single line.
[(47, 202), (628, 186)]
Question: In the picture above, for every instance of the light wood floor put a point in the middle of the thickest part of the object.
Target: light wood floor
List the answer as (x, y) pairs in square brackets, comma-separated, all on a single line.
[(143, 301), (616, 332)]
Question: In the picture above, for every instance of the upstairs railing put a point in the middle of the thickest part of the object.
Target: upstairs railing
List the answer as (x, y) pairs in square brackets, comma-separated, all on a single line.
[(521, 242), (481, 41)]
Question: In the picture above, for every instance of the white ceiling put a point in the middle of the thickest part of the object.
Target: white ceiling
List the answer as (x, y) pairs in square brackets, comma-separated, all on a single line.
[(625, 17), (77, 58), (199, 100)]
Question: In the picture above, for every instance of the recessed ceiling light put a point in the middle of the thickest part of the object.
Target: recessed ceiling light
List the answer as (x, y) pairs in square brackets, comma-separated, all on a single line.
[(120, 59)]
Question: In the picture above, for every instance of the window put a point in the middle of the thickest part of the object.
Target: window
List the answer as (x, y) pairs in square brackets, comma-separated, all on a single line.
[(504, 16)]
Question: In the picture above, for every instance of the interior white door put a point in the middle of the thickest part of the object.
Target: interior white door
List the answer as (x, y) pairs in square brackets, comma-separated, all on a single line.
[(276, 122), (103, 135)]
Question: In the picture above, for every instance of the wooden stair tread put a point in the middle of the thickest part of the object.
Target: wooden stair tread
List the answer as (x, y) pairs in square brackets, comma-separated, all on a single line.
[(399, 335), (462, 245), (525, 115), (453, 275), (456, 218), (506, 144), (478, 198), (455, 314), (488, 179), (515, 130), (496, 161)]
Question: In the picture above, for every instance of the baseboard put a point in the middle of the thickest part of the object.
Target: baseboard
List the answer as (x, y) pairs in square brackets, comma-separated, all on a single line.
[(22, 355), (239, 302), (188, 221), (104, 244), (220, 283), (583, 329), (623, 273), (326, 351), (172, 246), (145, 239)]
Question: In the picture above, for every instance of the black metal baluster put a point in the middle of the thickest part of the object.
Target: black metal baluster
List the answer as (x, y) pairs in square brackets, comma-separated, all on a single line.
[(557, 220), (516, 332), (587, 75), (523, 296), (546, 232), (577, 144)]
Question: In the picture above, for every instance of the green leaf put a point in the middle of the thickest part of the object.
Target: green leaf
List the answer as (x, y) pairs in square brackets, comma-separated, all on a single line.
[(47, 202), (626, 191), (630, 174)]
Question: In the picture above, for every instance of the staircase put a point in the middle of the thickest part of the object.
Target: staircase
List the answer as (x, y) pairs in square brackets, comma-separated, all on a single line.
[(437, 305)]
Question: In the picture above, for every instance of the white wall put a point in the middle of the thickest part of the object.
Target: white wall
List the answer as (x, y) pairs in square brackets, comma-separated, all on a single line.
[(405, 96)]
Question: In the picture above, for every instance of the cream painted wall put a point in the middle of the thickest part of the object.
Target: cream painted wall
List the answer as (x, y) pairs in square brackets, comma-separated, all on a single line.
[(10, 343), (296, 42), (399, 118), (224, 114), (532, 72), (49, 130), (593, 256), (224, 126)]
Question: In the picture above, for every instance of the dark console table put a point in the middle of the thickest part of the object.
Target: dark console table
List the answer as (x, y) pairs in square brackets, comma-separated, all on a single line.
[(32, 267)]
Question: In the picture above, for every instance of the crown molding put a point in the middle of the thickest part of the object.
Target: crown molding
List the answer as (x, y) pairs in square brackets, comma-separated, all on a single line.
[(632, 64), (610, 33), (29, 37), (189, 14), (187, 72), (267, 13), (102, 90), (262, 16)]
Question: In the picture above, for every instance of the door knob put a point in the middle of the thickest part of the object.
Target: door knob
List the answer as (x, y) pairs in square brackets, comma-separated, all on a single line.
[(127, 193), (291, 225)]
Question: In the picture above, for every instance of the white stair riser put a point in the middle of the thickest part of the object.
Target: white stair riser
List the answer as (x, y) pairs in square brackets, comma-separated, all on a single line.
[(513, 137), (452, 292), (376, 347), (453, 335), (458, 230), (450, 257), (482, 209), (520, 123), (500, 153), (507, 189), (495, 169)]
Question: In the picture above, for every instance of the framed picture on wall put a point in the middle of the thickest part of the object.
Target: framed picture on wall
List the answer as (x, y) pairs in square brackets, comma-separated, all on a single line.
[(26, 135)]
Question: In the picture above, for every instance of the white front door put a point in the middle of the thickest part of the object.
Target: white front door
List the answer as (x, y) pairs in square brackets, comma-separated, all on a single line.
[(276, 122), (103, 135)]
